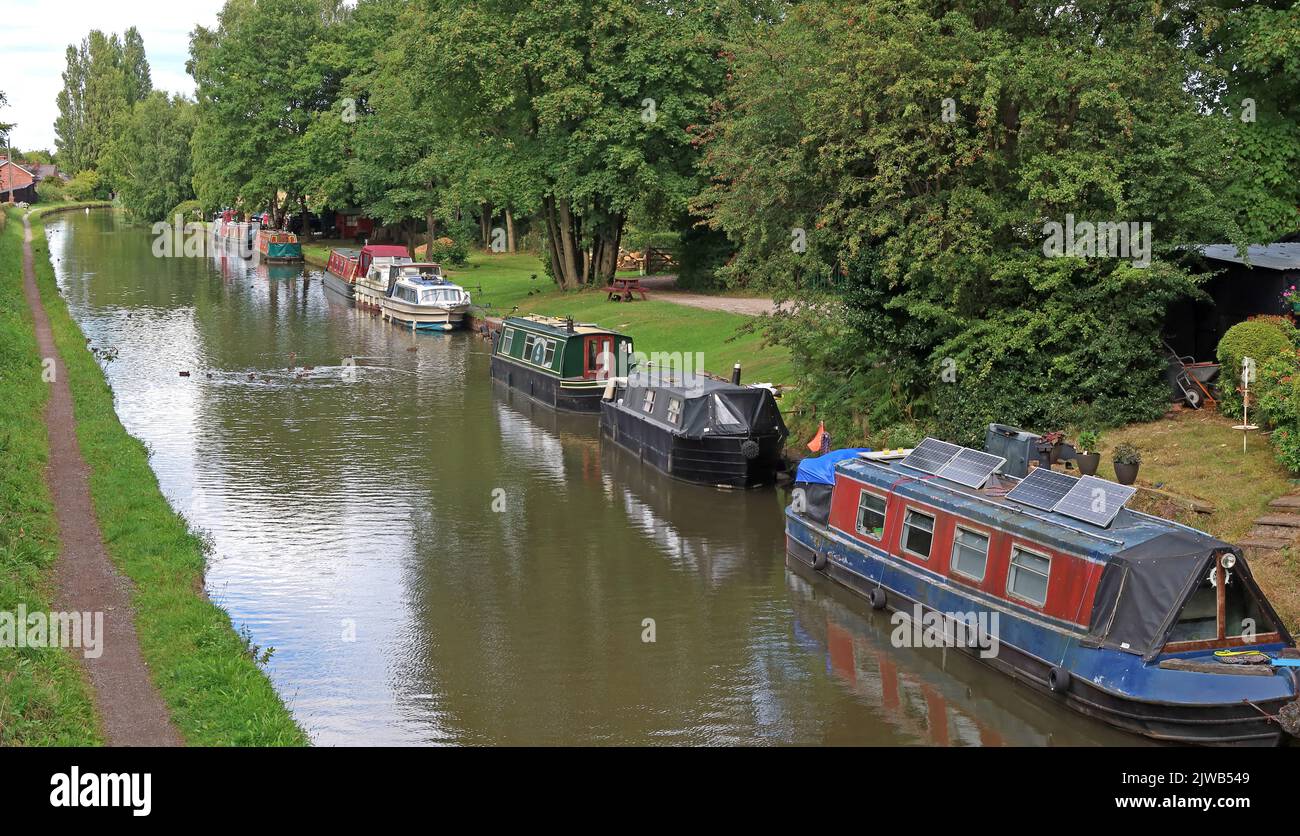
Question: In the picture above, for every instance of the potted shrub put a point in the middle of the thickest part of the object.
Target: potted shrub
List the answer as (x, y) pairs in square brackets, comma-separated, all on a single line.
[(1126, 459), (1087, 456)]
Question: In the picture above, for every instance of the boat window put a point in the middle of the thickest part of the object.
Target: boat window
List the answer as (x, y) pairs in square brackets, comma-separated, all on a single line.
[(918, 533), (506, 340), (1242, 614), (871, 515), (724, 413), (550, 353), (1028, 576), (648, 404), (970, 553), (1199, 619), (674, 410)]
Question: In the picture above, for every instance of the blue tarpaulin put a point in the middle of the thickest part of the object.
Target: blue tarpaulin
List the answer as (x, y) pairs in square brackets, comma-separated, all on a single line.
[(820, 470)]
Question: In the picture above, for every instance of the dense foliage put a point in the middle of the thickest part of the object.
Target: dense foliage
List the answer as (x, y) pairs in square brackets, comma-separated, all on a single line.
[(901, 171), (105, 77), (149, 159), (910, 156), (1262, 341)]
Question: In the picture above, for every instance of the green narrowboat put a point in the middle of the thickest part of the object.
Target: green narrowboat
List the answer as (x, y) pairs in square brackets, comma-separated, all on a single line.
[(560, 363)]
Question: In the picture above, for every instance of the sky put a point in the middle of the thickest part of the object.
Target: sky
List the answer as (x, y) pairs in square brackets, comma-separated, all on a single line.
[(36, 33)]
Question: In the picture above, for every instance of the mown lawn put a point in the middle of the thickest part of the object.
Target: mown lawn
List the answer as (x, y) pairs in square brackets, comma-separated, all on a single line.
[(216, 692), (44, 699), (1198, 455)]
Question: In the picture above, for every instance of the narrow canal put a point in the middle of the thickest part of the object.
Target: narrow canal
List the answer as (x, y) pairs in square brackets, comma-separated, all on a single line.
[(435, 560)]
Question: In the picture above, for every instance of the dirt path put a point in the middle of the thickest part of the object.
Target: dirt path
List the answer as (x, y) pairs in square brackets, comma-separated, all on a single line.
[(132, 710), (664, 288)]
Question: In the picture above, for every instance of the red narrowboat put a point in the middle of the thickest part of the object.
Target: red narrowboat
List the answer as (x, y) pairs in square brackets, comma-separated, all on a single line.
[(1135, 620)]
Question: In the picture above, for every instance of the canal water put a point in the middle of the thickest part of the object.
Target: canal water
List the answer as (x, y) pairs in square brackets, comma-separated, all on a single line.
[(437, 560)]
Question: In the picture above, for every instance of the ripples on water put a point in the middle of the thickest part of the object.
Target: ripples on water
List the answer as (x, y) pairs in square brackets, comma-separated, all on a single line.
[(351, 509)]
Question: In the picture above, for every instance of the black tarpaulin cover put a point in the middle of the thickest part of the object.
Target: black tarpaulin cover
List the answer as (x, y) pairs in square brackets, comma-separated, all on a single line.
[(1143, 589), (704, 407)]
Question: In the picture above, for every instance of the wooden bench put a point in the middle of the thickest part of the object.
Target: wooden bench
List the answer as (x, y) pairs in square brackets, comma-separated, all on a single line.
[(624, 289)]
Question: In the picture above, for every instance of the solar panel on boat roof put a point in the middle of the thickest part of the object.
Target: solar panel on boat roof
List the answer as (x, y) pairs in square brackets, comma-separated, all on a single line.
[(1042, 488), (931, 455), (971, 468), (1094, 500)]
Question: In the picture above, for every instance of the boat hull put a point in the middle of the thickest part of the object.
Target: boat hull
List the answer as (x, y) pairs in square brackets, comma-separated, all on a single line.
[(719, 460), (339, 285), (548, 389), (1165, 705), (423, 318)]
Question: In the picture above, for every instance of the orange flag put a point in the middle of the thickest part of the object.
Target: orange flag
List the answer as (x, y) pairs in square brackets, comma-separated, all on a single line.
[(819, 439)]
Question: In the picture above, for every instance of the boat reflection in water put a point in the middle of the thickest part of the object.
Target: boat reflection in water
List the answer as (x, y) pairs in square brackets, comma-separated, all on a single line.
[(682, 519), (934, 696), (538, 436)]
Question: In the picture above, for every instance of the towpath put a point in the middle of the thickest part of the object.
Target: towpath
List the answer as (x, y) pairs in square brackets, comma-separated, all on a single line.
[(131, 708)]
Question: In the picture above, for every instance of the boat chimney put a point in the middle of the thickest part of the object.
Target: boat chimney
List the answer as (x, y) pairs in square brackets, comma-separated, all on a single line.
[(735, 375), (568, 323)]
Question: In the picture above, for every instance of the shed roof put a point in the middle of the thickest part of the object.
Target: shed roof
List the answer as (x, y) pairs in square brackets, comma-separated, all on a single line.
[(1263, 256)]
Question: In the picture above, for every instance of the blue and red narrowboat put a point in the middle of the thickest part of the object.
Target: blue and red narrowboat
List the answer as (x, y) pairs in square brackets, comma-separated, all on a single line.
[(1143, 623)]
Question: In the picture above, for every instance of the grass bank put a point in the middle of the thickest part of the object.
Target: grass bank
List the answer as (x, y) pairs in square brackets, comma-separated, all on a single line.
[(1198, 455), (44, 699), (501, 282), (216, 692)]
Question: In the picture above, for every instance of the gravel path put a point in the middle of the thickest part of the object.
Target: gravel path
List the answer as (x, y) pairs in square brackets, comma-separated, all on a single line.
[(131, 709), (664, 288)]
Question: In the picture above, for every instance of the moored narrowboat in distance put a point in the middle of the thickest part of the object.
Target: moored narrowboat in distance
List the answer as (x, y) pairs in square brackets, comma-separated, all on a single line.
[(558, 362), (1129, 618), (696, 428), (419, 297), (341, 271), (278, 245), (372, 278)]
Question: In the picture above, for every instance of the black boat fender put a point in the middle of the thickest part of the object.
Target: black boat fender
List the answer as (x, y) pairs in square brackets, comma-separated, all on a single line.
[(878, 598), (1058, 679), (749, 449), (819, 560)]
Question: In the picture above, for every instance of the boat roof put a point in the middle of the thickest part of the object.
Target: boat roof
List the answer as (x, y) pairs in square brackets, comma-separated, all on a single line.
[(989, 505), (386, 251), (556, 326), (347, 252), (685, 386)]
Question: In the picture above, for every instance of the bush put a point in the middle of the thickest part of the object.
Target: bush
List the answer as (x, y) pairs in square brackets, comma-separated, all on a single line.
[(1258, 339), (447, 251), (88, 185), (51, 191), (1282, 324), (189, 210)]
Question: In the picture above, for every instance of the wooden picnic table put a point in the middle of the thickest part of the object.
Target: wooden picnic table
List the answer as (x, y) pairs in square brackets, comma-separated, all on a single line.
[(624, 288)]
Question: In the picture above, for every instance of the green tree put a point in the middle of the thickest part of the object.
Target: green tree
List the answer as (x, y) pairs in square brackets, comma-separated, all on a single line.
[(1257, 45), (263, 76), (150, 158), (578, 107), (104, 77), (891, 168)]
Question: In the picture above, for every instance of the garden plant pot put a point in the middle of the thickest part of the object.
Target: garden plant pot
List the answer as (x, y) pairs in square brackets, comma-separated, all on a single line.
[(1126, 474), (1295, 305), (1088, 463)]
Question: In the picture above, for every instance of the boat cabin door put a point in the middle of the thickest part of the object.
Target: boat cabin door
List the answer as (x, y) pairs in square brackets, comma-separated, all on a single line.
[(598, 356)]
